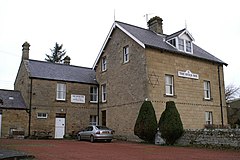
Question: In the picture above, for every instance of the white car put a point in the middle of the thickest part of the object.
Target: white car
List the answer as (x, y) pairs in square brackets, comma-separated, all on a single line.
[(94, 133)]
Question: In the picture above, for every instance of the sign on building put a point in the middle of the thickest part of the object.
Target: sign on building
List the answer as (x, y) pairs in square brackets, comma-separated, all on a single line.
[(188, 74), (77, 98)]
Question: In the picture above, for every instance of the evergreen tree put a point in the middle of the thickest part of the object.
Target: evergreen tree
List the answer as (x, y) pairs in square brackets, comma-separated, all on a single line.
[(146, 124), (170, 124), (57, 55)]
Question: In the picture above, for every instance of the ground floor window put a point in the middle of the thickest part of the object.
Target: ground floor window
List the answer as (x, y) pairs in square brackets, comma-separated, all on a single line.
[(208, 118), (42, 115), (93, 120)]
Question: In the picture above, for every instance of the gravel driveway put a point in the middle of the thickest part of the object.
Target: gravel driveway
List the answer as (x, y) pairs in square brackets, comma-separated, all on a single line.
[(116, 150)]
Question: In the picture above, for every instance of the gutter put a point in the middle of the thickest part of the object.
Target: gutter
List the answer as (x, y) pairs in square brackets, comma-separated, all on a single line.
[(30, 110)]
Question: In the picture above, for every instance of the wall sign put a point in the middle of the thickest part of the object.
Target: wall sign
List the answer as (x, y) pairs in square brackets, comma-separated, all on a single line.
[(77, 98), (188, 74)]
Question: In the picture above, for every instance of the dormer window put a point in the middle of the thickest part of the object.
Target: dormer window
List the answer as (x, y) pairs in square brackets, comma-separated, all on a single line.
[(182, 41), (181, 44)]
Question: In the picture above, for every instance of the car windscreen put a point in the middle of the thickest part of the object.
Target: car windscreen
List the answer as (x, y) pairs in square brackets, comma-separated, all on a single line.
[(102, 127)]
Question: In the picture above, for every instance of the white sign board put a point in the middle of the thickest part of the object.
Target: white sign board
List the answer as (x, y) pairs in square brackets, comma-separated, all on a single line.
[(188, 74), (77, 98)]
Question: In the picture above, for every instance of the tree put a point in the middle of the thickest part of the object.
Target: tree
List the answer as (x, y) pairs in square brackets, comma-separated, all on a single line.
[(146, 124), (231, 92), (170, 124), (57, 55)]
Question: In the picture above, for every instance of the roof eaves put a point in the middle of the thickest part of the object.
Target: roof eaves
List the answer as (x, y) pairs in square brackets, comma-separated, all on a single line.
[(115, 24), (103, 46), (130, 35)]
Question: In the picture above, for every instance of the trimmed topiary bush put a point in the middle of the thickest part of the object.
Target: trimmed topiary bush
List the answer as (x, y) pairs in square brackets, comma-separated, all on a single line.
[(170, 124), (146, 124)]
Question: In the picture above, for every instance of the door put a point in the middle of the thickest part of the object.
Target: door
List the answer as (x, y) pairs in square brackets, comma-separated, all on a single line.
[(59, 127), (0, 124), (104, 123)]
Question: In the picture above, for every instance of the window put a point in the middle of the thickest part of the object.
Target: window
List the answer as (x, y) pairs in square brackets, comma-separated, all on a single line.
[(207, 92), (169, 85), (125, 54), (93, 120), (173, 42), (188, 46), (104, 64), (61, 91), (93, 94), (208, 118), (42, 115), (104, 93), (181, 44)]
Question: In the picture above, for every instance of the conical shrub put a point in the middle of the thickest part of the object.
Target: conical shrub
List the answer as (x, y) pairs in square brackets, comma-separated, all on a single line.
[(170, 124), (146, 124)]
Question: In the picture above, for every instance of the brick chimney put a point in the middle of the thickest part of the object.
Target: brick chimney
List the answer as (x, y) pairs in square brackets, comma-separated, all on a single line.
[(67, 60), (25, 51), (155, 24)]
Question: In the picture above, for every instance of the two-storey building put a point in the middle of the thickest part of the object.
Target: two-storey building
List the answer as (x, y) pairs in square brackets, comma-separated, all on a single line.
[(61, 98)]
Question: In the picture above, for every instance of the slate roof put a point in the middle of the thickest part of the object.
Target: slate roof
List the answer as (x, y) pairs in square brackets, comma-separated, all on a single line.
[(60, 72), (151, 39), (10, 99), (148, 38)]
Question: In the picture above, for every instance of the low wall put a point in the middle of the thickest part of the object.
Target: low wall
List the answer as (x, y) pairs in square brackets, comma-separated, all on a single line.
[(215, 137)]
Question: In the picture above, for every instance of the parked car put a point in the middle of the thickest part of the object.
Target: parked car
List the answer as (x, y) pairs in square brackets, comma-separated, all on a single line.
[(94, 133)]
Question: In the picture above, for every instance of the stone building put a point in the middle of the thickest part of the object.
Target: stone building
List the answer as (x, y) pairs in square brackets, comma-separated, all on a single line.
[(135, 64), (61, 98), (13, 114)]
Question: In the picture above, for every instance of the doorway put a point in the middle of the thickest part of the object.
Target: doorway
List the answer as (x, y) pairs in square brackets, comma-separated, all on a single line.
[(104, 123), (60, 125)]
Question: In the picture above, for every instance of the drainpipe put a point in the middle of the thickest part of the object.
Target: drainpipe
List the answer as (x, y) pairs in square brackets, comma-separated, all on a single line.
[(30, 110), (220, 94), (98, 107)]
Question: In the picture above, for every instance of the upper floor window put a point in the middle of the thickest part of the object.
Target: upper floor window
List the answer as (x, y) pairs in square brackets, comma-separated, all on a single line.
[(169, 85), (207, 90), (188, 46), (125, 54), (173, 42), (61, 91), (208, 118), (93, 94), (181, 44), (104, 93), (104, 64)]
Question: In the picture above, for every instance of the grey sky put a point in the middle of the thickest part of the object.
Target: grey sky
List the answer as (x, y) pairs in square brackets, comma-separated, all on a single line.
[(82, 26)]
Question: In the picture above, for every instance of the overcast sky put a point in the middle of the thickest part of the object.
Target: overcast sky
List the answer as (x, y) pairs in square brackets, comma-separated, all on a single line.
[(82, 26)]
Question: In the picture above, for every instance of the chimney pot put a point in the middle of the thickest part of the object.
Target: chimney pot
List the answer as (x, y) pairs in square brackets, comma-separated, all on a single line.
[(25, 51), (67, 60), (155, 24)]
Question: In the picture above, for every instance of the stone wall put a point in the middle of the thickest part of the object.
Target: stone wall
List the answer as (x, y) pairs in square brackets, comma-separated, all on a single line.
[(214, 137)]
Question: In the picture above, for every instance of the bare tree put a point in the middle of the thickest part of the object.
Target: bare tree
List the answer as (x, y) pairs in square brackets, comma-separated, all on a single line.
[(232, 91)]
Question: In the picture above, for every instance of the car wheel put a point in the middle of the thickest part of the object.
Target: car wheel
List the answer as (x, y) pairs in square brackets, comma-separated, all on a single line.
[(91, 138), (79, 137), (109, 140)]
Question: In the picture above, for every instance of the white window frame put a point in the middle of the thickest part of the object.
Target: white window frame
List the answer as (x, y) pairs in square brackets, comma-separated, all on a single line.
[(207, 90), (61, 92), (41, 115), (93, 93), (169, 86), (93, 120), (104, 92), (184, 45), (104, 63), (181, 46), (208, 118), (126, 54), (188, 47)]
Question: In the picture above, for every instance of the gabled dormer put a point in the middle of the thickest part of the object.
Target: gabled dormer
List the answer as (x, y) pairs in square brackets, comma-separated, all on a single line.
[(181, 40)]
